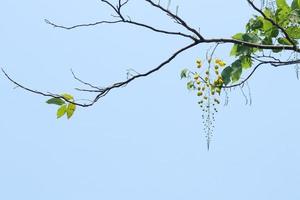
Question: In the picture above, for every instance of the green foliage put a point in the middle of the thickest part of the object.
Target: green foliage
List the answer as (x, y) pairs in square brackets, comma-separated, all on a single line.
[(226, 75), (65, 107), (61, 111), (294, 32), (68, 96), (56, 101), (281, 4), (295, 5), (246, 61), (236, 73), (260, 30), (283, 41), (70, 110)]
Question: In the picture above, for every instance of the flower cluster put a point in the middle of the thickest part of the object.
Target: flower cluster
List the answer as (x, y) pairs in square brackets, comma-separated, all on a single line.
[(208, 85)]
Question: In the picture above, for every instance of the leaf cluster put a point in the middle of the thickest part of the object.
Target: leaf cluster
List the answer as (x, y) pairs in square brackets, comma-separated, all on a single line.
[(278, 26), (65, 108)]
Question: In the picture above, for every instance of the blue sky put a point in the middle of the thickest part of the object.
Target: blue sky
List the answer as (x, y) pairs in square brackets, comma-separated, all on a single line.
[(144, 141)]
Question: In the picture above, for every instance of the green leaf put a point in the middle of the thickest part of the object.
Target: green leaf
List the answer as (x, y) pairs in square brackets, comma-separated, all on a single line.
[(282, 4), (68, 96), (236, 70), (293, 32), (267, 41), (238, 36), (274, 32), (233, 51), (267, 25), (246, 62), (282, 17), (56, 101), (250, 37), (295, 16), (70, 110), (283, 41), (257, 24), (226, 74), (61, 111), (295, 4), (184, 73), (269, 13), (243, 50)]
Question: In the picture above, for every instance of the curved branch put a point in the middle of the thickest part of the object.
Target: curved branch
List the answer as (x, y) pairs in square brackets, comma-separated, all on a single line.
[(246, 79), (124, 83), (120, 21), (81, 25), (103, 91), (273, 63), (39, 92)]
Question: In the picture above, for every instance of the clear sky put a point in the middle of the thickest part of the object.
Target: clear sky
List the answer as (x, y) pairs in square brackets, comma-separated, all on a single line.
[(144, 141)]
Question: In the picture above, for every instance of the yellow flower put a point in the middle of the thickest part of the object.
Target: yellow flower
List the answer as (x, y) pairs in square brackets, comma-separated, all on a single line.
[(199, 63), (220, 62), (221, 81)]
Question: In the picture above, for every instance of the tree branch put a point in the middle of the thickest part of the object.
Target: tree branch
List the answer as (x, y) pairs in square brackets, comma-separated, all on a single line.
[(117, 10), (177, 18), (102, 91)]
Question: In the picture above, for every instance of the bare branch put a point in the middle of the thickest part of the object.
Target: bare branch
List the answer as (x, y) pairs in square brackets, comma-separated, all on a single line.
[(96, 89), (117, 10), (177, 18), (124, 83), (103, 91), (246, 79), (41, 93), (81, 25)]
